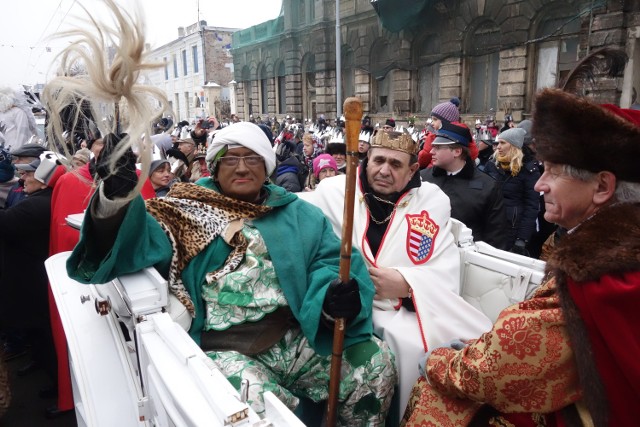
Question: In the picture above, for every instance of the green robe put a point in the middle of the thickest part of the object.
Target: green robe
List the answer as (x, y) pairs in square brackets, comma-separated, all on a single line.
[(300, 240)]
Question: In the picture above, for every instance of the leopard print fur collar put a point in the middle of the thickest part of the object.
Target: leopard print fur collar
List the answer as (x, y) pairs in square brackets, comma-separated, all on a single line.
[(192, 217)]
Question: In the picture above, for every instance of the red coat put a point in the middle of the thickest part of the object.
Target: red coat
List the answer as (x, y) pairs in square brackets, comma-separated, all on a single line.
[(72, 192), (548, 352), (608, 307), (424, 156)]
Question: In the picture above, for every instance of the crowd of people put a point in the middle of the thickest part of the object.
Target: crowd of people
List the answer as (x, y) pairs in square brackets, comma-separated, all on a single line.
[(244, 220), (413, 286)]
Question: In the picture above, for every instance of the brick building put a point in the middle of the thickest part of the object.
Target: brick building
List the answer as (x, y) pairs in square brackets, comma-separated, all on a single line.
[(401, 57), (198, 71)]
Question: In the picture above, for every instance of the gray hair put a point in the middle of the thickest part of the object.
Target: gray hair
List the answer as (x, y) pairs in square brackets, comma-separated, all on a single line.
[(575, 173), (626, 191)]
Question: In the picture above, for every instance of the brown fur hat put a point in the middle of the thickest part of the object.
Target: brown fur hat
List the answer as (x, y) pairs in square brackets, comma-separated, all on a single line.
[(578, 132)]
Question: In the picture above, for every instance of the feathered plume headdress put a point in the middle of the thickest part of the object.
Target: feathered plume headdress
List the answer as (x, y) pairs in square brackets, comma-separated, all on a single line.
[(576, 131), (101, 68), (604, 62)]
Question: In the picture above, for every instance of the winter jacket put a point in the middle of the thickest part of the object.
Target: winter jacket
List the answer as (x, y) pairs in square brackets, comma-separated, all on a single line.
[(521, 201), (25, 247), (476, 200), (290, 175)]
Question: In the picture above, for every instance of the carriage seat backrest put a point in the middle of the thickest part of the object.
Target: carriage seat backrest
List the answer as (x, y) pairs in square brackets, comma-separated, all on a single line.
[(492, 279)]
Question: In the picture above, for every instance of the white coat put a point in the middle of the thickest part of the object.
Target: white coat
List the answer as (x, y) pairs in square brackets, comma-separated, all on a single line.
[(418, 243)]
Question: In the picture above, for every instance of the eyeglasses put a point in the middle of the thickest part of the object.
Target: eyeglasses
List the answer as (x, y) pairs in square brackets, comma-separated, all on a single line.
[(5, 155), (387, 127), (250, 161)]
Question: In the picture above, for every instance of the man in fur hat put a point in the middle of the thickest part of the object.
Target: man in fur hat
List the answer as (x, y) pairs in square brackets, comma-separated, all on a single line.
[(402, 227), (569, 355)]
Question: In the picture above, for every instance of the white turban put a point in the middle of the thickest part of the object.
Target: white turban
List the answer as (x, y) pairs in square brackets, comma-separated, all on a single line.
[(248, 135)]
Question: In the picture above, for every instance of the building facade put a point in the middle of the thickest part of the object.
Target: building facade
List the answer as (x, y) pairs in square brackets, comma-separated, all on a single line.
[(197, 71), (401, 57)]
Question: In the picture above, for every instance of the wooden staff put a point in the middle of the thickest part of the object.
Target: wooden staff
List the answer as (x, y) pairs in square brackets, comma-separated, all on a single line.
[(353, 113)]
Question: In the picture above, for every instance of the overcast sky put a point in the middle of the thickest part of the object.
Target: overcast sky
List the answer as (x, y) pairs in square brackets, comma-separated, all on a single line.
[(27, 53)]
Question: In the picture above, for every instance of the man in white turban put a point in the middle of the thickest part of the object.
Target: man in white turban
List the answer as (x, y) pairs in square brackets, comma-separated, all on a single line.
[(256, 267)]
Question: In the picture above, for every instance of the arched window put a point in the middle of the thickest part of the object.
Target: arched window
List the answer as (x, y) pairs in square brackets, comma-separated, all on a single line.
[(382, 72), (482, 56), (428, 73), (557, 53), (264, 90), (309, 85), (246, 91), (281, 88), (348, 73), (302, 13)]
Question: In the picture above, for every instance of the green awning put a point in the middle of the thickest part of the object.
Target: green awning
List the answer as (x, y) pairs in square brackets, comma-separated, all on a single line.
[(396, 15)]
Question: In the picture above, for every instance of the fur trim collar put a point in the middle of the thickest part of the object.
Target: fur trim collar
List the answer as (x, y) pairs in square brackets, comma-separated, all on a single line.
[(608, 243)]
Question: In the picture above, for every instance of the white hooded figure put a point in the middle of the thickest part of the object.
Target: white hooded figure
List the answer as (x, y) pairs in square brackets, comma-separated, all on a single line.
[(17, 122)]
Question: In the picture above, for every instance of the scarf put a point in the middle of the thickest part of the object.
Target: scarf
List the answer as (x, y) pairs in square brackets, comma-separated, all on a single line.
[(192, 217), (505, 164)]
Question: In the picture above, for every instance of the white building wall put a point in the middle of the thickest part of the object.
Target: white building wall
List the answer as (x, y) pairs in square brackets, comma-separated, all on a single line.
[(184, 107)]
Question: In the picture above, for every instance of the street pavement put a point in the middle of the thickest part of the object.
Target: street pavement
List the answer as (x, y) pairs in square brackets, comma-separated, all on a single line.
[(27, 408)]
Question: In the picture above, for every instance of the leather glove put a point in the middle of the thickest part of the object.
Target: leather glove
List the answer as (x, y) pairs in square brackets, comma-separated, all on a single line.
[(519, 248), (117, 182), (342, 300), (455, 344)]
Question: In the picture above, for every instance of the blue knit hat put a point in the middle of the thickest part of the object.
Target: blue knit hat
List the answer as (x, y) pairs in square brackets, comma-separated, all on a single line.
[(447, 111)]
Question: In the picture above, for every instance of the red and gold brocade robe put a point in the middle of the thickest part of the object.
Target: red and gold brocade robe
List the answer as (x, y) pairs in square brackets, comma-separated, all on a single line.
[(574, 342), (524, 364)]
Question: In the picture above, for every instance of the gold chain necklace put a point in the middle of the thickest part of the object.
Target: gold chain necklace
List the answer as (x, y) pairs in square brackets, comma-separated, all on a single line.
[(383, 201)]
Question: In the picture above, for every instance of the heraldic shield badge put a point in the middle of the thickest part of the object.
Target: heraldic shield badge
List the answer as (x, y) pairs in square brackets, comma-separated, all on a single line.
[(421, 237)]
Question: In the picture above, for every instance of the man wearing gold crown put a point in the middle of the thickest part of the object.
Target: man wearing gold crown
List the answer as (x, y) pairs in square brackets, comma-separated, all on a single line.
[(402, 228)]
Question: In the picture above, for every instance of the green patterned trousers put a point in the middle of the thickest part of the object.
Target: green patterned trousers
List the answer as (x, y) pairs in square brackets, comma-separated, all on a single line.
[(291, 369)]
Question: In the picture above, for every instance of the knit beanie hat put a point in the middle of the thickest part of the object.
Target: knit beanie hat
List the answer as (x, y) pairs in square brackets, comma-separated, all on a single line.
[(323, 161), (247, 135), (6, 167), (514, 136), (156, 164), (390, 122), (447, 111), (83, 155), (527, 125)]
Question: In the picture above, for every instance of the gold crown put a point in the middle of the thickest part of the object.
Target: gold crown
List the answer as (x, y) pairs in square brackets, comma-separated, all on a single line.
[(399, 141)]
